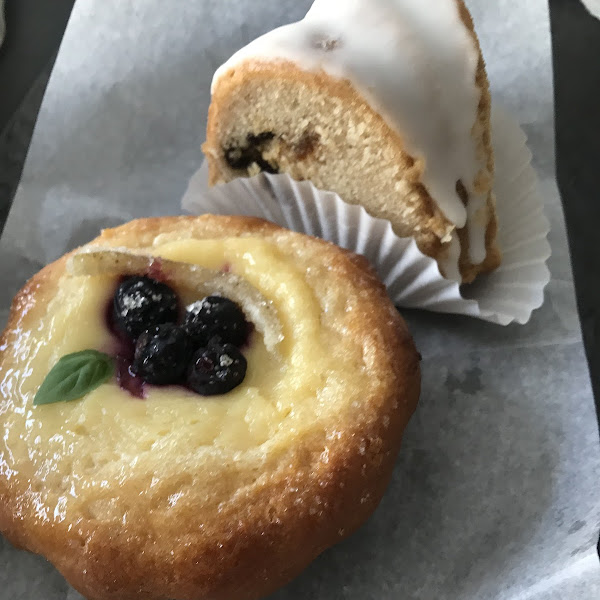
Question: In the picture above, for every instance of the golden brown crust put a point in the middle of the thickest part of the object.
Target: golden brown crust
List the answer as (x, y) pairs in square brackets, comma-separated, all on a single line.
[(430, 226), (271, 532)]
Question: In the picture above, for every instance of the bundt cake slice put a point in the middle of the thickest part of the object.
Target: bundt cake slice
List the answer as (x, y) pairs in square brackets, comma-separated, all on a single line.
[(385, 102)]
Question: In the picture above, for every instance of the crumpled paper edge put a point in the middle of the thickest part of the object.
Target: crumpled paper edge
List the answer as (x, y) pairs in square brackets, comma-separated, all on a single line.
[(593, 7)]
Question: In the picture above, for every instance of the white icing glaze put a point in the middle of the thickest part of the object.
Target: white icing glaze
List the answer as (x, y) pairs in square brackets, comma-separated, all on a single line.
[(477, 217), (449, 262), (415, 62)]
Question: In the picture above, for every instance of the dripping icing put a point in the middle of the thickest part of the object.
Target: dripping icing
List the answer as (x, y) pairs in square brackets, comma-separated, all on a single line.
[(449, 262), (415, 66)]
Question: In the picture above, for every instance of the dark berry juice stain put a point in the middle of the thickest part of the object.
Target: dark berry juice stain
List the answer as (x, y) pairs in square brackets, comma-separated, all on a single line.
[(250, 329), (128, 380), (155, 270), (123, 349), (122, 343)]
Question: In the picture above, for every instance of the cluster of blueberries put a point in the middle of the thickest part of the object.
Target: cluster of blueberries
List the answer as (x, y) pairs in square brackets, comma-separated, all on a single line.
[(200, 350)]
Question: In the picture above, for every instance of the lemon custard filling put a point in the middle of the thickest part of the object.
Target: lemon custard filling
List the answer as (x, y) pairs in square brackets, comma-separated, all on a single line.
[(287, 393)]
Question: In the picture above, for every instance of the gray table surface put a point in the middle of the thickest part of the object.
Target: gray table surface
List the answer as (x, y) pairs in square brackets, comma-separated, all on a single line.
[(576, 42), (33, 35)]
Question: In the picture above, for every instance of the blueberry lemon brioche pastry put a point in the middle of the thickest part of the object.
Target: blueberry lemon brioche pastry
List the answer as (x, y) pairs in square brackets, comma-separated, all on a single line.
[(196, 407), (385, 102)]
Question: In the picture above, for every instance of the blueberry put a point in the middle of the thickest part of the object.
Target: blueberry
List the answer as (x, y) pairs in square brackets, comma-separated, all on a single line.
[(142, 302), (216, 369), (162, 354), (216, 316)]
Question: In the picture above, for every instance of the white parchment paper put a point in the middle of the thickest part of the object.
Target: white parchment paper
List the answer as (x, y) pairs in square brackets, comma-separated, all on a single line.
[(495, 494), (593, 6)]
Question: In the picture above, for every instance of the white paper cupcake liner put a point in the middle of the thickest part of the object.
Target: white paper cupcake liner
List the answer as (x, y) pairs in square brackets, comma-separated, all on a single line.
[(509, 294)]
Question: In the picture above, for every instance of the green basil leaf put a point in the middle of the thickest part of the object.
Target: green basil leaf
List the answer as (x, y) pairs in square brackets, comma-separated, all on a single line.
[(73, 376)]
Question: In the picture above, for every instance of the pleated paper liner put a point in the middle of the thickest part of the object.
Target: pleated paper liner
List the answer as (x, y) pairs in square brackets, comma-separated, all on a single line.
[(509, 294)]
